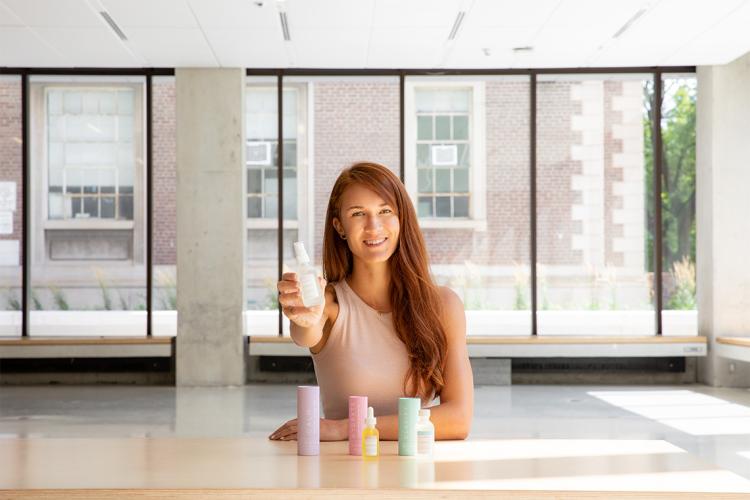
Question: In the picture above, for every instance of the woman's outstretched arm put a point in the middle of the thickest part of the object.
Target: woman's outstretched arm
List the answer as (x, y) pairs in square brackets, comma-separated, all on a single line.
[(452, 417)]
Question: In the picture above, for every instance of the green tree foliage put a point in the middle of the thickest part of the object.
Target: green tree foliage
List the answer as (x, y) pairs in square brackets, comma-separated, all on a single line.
[(678, 176)]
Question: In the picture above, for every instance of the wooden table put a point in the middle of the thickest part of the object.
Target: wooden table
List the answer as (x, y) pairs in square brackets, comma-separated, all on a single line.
[(254, 467)]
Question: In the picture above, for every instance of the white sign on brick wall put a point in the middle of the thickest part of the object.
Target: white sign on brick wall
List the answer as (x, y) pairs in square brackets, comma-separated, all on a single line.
[(6, 222), (9, 252), (7, 197)]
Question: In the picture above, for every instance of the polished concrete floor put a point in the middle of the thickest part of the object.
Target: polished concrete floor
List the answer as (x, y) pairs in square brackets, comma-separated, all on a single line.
[(711, 425)]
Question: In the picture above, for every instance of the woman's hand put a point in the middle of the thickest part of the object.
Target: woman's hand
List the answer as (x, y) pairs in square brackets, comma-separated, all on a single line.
[(330, 430), (290, 298)]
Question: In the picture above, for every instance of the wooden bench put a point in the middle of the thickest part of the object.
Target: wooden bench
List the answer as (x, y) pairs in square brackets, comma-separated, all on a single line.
[(733, 348), (533, 347), (478, 346), (86, 347)]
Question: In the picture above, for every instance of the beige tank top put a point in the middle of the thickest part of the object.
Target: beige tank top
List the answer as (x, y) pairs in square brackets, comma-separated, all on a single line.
[(362, 357)]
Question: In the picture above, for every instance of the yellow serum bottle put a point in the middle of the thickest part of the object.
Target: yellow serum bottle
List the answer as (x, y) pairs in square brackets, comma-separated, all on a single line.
[(370, 437)]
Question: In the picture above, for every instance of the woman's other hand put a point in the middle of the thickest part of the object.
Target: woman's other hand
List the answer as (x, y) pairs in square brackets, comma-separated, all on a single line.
[(330, 430)]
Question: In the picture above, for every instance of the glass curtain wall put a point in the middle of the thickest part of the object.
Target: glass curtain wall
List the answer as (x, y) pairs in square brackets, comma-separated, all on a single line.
[(595, 273), (679, 314), (331, 123), (11, 205), (467, 169), (164, 209), (261, 162), (87, 175)]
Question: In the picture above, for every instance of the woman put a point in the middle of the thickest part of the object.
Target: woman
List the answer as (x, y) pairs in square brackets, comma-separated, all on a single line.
[(385, 330)]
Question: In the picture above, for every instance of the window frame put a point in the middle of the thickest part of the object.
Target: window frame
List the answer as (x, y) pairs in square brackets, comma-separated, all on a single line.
[(477, 219), (39, 174), (304, 166)]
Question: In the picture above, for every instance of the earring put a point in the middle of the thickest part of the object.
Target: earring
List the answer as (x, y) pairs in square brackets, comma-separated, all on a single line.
[(343, 236)]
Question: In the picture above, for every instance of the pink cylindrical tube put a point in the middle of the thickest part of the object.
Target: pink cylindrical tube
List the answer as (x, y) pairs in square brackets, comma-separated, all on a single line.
[(308, 420), (357, 415)]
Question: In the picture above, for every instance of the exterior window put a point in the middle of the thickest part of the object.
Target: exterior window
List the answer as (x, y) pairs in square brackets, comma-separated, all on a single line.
[(88, 169), (261, 161), (87, 182), (445, 158), (443, 152), (262, 153), (90, 153)]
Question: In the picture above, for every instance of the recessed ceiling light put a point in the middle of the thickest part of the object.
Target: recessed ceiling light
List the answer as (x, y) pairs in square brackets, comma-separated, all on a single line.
[(284, 26), (629, 22), (486, 51), (456, 25), (112, 24)]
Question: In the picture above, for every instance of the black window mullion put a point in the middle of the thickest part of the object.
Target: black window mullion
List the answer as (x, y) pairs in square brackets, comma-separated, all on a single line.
[(657, 158), (280, 181), (25, 269), (401, 93), (149, 206), (532, 200)]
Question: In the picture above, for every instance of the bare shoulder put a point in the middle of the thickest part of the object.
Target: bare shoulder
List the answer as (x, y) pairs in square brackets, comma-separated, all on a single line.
[(450, 299), (454, 316)]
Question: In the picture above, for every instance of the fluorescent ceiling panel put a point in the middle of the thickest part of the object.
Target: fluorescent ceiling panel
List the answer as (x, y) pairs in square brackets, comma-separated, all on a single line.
[(379, 33), (510, 13), (88, 46), (330, 13), (151, 13), (178, 47), (235, 13), (259, 48), (594, 14), (406, 47), (28, 49), (8, 18), (473, 57), (416, 13), (723, 42), (53, 13), (495, 37), (311, 48)]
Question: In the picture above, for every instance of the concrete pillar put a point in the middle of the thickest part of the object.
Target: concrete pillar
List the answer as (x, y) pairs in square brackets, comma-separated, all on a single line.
[(210, 227), (723, 209)]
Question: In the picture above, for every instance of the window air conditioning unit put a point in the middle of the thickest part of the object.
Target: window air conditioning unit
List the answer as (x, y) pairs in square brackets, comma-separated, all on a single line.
[(258, 153), (445, 156)]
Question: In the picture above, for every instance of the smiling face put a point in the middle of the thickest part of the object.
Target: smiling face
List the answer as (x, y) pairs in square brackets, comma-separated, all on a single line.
[(370, 224)]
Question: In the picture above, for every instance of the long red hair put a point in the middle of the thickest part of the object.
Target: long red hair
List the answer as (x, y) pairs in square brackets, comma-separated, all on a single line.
[(415, 299)]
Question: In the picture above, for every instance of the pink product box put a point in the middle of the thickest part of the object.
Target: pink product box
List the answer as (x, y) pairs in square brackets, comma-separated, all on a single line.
[(357, 415)]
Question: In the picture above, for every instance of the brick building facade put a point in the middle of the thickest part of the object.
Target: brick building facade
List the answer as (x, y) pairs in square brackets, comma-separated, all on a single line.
[(590, 179)]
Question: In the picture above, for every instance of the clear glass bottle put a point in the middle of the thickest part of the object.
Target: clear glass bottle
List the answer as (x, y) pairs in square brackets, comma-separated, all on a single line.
[(425, 434), (370, 437), (308, 277)]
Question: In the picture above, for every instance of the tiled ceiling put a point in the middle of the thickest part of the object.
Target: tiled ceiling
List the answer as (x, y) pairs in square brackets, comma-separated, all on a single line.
[(373, 33)]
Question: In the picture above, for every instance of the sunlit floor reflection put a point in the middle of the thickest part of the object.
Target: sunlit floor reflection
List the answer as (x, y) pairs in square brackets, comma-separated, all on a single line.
[(687, 411)]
